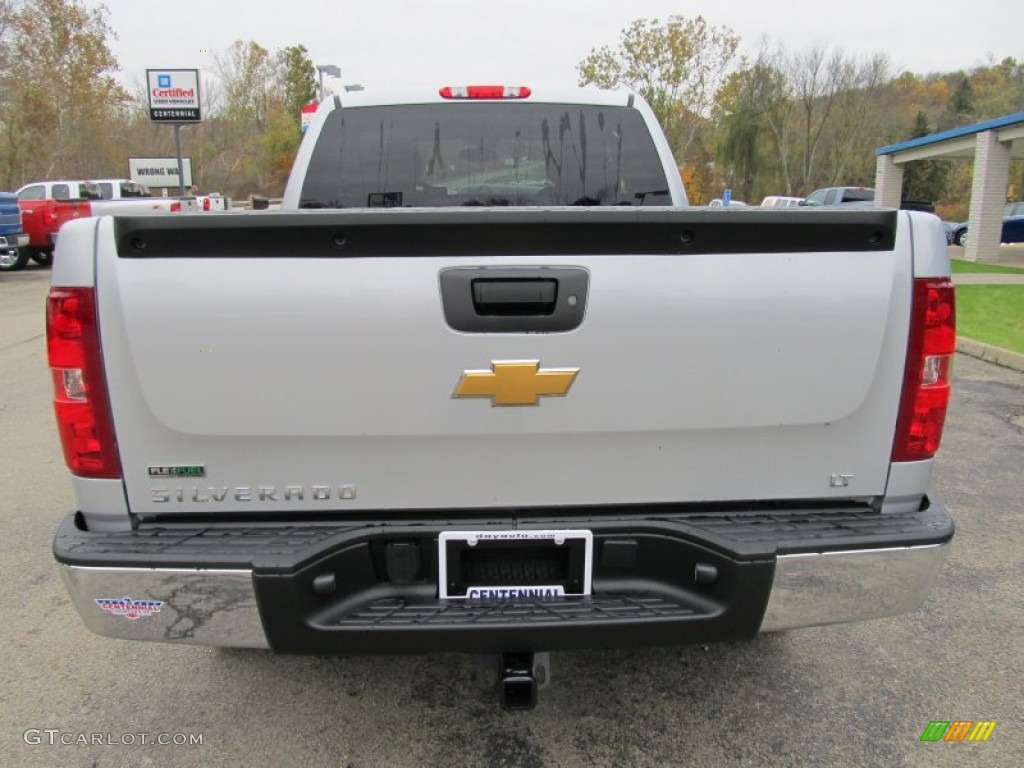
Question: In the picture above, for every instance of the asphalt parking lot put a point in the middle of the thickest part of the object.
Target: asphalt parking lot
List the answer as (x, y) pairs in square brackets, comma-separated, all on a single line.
[(854, 695)]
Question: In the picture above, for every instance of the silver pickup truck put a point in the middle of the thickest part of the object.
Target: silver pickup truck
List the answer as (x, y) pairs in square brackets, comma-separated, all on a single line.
[(487, 384)]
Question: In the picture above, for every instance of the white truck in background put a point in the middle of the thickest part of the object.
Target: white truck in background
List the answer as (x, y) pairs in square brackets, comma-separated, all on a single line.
[(109, 197), (487, 384)]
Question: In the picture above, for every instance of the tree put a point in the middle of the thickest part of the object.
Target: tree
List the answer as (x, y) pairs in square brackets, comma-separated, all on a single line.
[(998, 89), (245, 73), (7, 15), (63, 102), (770, 94), (795, 121), (294, 86), (924, 179), (678, 67), (254, 131), (741, 136), (961, 103), (295, 79), (816, 78), (857, 117), (813, 111)]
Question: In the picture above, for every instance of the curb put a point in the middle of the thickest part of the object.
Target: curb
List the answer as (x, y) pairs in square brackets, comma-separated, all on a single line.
[(988, 353)]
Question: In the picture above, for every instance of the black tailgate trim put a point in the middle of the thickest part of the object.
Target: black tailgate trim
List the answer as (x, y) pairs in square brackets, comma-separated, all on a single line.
[(485, 233)]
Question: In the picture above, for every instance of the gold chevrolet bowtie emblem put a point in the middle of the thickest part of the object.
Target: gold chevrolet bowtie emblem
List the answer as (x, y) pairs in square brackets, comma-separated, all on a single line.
[(516, 383)]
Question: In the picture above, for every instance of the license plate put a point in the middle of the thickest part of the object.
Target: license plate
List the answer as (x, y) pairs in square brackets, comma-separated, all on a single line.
[(509, 566)]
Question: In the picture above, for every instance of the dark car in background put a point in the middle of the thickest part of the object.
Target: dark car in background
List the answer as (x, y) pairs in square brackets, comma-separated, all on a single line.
[(1013, 226), (858, 196), (840, 196)]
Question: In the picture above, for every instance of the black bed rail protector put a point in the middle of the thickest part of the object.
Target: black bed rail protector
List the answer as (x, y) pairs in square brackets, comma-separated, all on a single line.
[(516, 232), (285, 546)]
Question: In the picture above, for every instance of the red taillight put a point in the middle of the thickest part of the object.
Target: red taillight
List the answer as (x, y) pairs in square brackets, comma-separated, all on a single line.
[(80, 389), (206, 204), (927, 374), (175, 207), (49, 218), (485, 92)]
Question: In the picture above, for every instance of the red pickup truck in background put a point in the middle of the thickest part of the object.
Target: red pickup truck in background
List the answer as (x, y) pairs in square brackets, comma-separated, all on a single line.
[(42, 219)]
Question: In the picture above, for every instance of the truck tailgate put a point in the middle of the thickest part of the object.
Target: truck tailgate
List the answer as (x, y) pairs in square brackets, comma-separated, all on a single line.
[(303, 362)]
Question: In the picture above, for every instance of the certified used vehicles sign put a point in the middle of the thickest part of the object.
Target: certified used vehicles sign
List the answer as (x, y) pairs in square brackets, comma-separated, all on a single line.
[(173, 95)]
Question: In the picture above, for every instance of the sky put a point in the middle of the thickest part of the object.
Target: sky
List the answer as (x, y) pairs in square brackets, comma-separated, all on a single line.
[(388, 43)]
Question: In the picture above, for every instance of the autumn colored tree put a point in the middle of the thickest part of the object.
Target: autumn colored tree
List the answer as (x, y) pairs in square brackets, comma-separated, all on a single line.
[(62, 101), (998, 89), (677, 66)]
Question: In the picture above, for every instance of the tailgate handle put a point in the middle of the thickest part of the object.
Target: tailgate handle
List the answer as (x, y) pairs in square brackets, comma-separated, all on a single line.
[(514, 297), (544, 299)]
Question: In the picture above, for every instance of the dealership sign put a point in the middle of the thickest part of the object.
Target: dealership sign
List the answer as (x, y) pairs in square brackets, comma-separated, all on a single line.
[(307, 114), (173, 95), (159, 171)]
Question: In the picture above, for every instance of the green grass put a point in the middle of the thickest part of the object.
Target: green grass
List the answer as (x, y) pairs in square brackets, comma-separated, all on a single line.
[(993, 314), (973, 267)]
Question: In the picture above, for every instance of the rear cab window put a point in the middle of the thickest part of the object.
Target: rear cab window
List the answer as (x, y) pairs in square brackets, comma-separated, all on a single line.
[(484, 154), (90, 191), (857, 195), (132, 189)]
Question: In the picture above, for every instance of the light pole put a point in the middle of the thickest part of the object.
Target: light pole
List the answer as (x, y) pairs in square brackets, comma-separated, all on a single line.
[(331, 70)]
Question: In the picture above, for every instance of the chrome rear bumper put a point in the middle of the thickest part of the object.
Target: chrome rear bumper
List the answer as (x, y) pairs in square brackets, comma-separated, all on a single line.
[(833, 587), (218, 607), (198, 606)]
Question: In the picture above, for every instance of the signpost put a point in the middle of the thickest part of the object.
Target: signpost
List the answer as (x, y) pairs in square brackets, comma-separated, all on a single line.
[(174, 98)]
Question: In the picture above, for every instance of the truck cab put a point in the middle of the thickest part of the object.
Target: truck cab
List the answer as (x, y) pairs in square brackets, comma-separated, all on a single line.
[(60, 190), (117, 189)]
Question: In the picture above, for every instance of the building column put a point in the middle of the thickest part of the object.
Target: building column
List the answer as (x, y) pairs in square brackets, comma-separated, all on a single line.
[(888, 182), (988, 196)]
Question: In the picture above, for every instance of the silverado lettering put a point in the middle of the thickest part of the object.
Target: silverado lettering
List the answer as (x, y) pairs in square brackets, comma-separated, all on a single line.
[(262, 492)]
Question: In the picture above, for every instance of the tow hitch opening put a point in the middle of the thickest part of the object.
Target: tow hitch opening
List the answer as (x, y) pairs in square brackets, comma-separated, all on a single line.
[(520, 676)]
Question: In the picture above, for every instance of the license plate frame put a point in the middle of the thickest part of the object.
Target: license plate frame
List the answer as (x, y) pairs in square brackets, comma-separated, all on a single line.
[(573, 546)]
